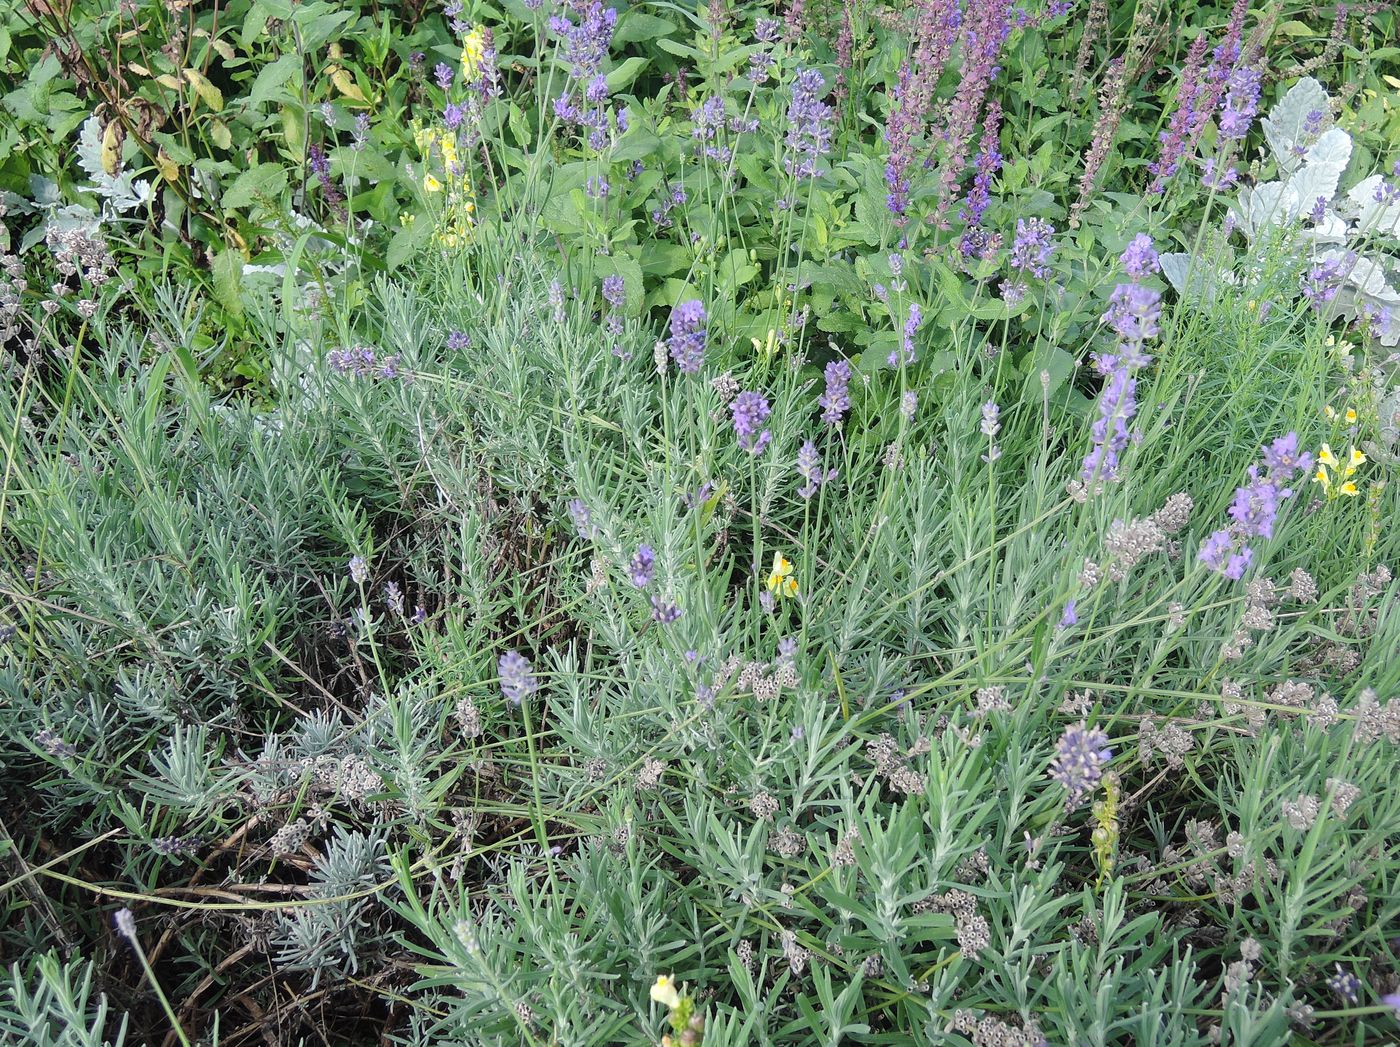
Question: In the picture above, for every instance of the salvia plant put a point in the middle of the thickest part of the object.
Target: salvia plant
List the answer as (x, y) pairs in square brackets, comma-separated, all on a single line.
[(700, 525)]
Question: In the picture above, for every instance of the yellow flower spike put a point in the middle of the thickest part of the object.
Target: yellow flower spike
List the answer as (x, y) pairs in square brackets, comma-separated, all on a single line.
[(473, 52), (1321, 477), (665, 993), (780, 579), (1355, 459), (431, 184), (1326, 457), (1348, 489)]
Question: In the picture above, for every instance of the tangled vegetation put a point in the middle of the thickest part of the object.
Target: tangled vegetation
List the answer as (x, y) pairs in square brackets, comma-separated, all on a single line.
[(562, 522)]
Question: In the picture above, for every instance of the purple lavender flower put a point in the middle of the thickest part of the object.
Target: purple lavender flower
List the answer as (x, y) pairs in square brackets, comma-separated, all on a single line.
[(443, 74), (1117, 406), (768, 30), (584, 47), (909, 405), (986, 25), (1070, 615), (809, 124), (973, 245), (906, 353), (1180, 129), (457, 341), (359, 570), (583, 520), (1283, 458), (1139, 258), (393, 598), (1255, 507), (643, 567), (809, 467), (664, 611), (707, 122), (750, 410), (1133, 313), (687, 342), (836, 400), (1215, 550), (991, 419), (517, 678), (1240, 105), (1033, 247), (1080, 756), (1322, 281)]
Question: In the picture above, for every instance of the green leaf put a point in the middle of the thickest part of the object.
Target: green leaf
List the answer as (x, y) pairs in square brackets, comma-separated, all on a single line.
[(621, 77), (636, 27), (264, 182), (228, 281), (268, 85)]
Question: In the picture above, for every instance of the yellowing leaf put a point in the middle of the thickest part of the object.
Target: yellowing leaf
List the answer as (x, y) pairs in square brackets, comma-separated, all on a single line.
[(219, 131), (139, 70), (225, 49), (166, 80), (112, 147), (208, 93), (169, 169), (1391, 80), (345, 84)]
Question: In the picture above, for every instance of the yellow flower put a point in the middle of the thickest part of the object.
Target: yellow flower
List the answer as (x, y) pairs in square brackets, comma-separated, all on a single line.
[(1321, 477), (1326, 457), (431, 184), (664, 992), (1351, 416), (473, 52), (1354, 460), (1348, 489), (781, 580)]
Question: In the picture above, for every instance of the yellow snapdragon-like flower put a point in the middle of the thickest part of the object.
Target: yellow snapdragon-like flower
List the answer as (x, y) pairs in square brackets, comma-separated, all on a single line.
[(780, 580), (473, 53), (665, 992), (431, 184), (1332, 414), (1327, 460)]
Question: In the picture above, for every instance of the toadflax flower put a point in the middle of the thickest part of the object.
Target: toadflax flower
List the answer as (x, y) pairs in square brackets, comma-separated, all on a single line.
[(781, 581), (1326, 460), (665, 992)]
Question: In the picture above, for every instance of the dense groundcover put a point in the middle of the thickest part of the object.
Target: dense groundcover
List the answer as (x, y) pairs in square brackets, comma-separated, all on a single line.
[(561, 522)]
